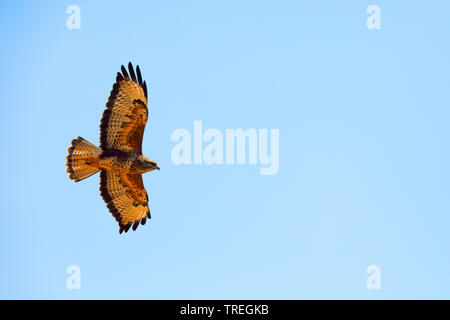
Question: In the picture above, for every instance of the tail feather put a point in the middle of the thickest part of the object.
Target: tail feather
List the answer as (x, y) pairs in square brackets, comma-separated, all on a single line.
[(82, 159)]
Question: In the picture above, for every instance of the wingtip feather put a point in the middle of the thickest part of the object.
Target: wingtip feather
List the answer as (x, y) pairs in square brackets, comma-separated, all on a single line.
[(131, 71), (139, 76), (124, 72)]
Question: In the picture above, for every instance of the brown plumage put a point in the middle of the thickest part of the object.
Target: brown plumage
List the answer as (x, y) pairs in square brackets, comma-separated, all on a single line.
[(119, 157)]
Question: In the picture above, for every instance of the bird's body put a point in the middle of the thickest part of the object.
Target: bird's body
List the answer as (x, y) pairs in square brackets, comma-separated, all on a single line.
[(119, 161), (119, 157)]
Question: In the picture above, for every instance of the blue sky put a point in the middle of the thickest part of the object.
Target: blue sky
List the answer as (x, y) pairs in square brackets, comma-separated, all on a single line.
[(364, 174)]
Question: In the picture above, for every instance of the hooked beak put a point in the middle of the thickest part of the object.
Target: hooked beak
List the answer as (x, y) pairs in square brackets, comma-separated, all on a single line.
[(155, 167), (151, 165)]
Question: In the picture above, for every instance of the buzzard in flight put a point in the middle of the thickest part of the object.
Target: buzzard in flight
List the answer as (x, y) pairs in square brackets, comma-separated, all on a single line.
[(119, 157)]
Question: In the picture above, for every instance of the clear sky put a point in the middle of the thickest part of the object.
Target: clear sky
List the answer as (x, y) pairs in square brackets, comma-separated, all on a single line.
[(364, 159)]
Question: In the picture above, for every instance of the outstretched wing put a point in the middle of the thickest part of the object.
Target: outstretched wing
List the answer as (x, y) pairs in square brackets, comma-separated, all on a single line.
[(126, 198), (123, 122)]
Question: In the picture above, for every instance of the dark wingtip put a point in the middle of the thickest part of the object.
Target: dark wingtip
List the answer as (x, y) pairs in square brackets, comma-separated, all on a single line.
[(139, 76), (131, 70), (145, 89), (124, 72)]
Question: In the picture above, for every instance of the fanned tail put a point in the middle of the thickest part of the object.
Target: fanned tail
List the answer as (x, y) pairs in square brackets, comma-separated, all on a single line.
[(82, 159)]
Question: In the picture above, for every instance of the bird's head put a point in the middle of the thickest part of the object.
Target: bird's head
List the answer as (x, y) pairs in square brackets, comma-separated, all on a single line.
[(145, 164)]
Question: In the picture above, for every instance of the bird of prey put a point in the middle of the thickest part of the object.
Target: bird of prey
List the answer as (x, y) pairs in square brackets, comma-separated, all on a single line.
[(119, 157)]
